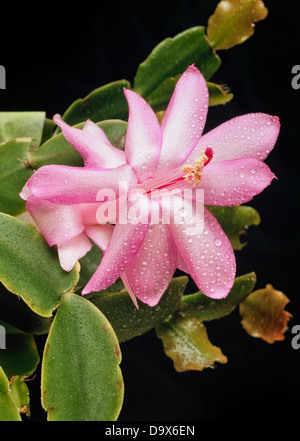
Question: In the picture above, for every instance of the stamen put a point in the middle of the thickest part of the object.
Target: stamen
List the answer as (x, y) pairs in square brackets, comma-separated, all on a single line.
[(194, 173), (209, 153)]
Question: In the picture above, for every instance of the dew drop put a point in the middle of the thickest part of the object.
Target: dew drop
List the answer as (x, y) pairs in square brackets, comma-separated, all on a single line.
[(183, 212), (218, 242)]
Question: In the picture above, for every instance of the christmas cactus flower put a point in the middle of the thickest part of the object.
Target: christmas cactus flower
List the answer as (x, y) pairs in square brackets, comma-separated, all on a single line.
[(158, 233)]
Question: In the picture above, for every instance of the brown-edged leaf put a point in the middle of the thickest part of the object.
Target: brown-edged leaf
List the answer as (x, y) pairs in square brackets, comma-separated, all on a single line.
[(186, 342), (263, 314), (233, 22)]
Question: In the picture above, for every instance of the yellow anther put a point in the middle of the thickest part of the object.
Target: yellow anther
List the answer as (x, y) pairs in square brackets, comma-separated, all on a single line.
[(194, 174)]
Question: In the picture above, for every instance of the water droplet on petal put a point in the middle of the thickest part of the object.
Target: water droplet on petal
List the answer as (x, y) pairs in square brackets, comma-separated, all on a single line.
[(218, 242)]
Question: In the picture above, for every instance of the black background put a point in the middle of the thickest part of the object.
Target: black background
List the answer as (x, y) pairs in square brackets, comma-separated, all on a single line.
[(54, 55)]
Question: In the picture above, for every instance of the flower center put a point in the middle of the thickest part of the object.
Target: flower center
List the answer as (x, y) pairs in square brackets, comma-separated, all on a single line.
[(194, 173), (155, 186)]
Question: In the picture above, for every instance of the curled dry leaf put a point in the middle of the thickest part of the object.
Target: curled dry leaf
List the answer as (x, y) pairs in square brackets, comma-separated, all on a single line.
[(263, 314)]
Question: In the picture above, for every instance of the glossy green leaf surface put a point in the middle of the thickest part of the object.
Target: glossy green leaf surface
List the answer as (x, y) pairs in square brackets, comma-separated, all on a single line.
[(172, 57), (106, 102), (204, 308), (160, 97), (20, 356), (235, 221), (233, 22), (14, 173), (129, 322), (8, 409), (29, 268), (81, 377), (218, 94), (57, 150), (49, 127), (22, 125), (185, 340)]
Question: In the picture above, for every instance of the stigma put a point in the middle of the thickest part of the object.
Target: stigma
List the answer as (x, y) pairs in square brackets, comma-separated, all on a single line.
[(193, 174)]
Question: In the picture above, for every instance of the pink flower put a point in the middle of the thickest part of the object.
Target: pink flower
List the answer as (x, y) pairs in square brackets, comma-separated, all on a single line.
[(226, 164)]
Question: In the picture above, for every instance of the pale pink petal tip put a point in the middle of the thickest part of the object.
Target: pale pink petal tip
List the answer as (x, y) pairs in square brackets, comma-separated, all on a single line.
[(86, 291), (25, 192), (184, 119), (92, 144), (143, 138), (251, 135), (71, 251), (129, 289), (57, 118), (234, 182), (57, 223)]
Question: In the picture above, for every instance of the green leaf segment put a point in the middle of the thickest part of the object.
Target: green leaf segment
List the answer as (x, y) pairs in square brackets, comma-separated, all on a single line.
[(81, 378)]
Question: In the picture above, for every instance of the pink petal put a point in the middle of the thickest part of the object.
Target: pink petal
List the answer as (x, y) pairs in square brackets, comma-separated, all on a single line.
[(251, 135), (73, 250), (95, 150), (124, 244), (181, 265), (143, 138), (207, 254), (100, 234), (103, 212), (25, 192), (129, 289), (152, 269), (89, 213), (228, 183), (57, 223), (75, 185), (184, 119), (92, 128)]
